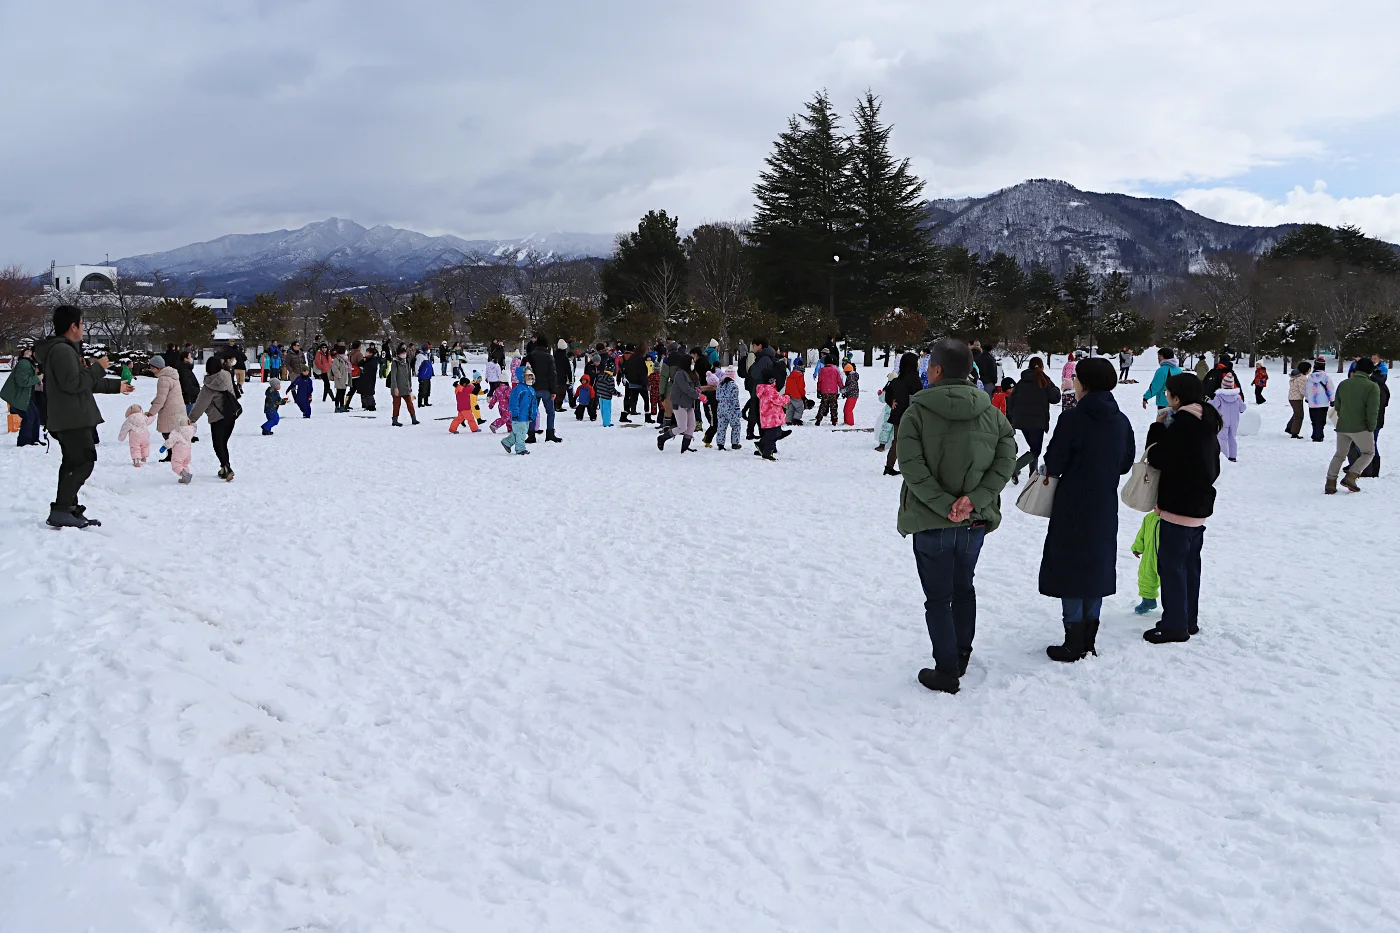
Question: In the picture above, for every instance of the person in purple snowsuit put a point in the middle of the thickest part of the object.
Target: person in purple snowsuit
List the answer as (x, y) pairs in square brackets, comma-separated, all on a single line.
[(1229, 401)]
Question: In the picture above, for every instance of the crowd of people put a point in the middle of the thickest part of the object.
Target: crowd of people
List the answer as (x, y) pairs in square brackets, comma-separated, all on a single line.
[(948, 427)]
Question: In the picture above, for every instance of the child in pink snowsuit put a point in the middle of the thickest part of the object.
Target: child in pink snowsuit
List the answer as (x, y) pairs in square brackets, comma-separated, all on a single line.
[(181, 449), (500, 400), (136, 430)]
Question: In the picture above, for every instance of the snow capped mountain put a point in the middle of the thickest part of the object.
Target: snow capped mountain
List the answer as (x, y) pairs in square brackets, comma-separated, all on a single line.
[(243, 263), (1151, 239)]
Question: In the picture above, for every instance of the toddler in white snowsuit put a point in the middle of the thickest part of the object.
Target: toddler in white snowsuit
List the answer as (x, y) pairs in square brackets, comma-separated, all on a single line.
[(136, 431), (181, 449)]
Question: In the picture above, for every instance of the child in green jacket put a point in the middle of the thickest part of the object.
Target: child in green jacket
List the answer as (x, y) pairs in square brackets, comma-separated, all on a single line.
[(1145, 550)]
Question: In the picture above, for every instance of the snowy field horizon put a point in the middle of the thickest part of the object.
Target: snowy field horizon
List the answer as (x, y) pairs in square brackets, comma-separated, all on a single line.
[(396, 680)]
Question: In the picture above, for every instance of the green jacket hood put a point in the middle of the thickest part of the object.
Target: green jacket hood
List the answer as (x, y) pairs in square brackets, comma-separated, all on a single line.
[(953, 400), (44, 348)]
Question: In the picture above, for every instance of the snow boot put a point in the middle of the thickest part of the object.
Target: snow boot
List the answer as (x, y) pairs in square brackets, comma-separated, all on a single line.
[(1331, 488), (415, 421), (661, 440), (963, 658), (1193, 629), (228, 476), (551, 436), (783, 435), (1373, 469), (507, 445), (722, 447), (891, 472), (1161, 636), (1146, 606), (522, 452), (394, 422), (686, 448), (1349, 481), (185, 477), (1091, 632), (65, 518), (648, 418), (880, 448), (1073, 648), (937, 680)]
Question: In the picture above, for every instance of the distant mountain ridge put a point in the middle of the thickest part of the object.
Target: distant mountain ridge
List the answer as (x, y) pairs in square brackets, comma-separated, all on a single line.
[(244, 263), (1153, 240)]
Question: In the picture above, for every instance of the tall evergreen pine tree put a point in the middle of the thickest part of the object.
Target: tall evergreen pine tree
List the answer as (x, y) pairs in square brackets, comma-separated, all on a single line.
[(803, 216), (890, 255)]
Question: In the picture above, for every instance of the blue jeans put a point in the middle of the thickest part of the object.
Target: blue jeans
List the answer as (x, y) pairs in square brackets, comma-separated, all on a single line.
[(1077, 610), (1179, 567), (947, 560), (273, 417), (605, 406), (28, 424)]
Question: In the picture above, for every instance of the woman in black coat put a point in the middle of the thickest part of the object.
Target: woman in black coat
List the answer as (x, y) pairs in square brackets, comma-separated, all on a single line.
[(897, 395), (1028, 410), (1092, 447), (1184, 445)]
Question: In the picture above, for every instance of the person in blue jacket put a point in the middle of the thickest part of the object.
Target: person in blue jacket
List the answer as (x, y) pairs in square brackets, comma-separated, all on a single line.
[(300, 390), (425, 380), (1166, 368), (523, 402)]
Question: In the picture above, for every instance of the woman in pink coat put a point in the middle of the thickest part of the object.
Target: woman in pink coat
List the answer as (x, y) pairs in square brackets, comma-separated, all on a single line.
[(169, 404)]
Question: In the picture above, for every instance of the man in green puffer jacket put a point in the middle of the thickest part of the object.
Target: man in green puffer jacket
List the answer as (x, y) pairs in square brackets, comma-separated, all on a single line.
[(956, 452), (1358, 404), (73, 414)]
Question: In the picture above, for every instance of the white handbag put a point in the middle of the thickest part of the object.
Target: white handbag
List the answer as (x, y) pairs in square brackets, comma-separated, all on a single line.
[(1140, 491), (1333, 416), (1038, 498)]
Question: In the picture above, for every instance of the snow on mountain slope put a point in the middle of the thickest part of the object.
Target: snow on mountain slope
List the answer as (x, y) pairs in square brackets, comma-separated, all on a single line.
[(395, 680), (1152, 239)]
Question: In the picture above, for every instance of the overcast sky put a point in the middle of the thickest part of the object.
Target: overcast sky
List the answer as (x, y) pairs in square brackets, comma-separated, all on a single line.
[(145, 125)]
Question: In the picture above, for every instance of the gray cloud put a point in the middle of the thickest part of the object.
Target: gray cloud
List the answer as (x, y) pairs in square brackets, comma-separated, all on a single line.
[(177, 122)]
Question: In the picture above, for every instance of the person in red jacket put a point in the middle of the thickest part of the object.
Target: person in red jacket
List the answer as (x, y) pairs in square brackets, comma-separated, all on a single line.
[(466, 406), (796, 391), (1002, 393), (1261, 379)]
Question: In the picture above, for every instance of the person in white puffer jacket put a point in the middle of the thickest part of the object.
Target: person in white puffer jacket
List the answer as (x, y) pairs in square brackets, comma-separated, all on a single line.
[(1318, 395)]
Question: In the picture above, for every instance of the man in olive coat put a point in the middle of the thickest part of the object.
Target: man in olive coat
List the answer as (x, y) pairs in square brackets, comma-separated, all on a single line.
[(956, 454), (73, 414)]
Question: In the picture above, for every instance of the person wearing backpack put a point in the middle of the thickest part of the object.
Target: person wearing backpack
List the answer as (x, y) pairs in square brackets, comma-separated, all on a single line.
[(217, 403)]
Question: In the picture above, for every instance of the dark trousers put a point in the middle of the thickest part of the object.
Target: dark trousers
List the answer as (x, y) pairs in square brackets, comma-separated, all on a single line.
[(629, 399), (1179, 568), (1259, 395), (219, 433), (326, 387), (28, 424), (79, 457), (947, 560), (425, 389), (1374, 467), (1034, 439), (1319, 423), (751, 416), (1295, 422), (768, 441)]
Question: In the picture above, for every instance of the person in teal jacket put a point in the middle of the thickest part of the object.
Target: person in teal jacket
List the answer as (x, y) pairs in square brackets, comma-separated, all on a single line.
[(1166, 368)]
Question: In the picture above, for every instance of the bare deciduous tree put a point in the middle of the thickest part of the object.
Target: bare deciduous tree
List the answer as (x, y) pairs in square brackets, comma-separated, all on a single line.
[(21, 312)]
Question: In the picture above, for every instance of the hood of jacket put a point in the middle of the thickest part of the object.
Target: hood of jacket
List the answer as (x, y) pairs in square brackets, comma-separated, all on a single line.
[(44, 348), (1099, 406), (220, 381), (953, 400)]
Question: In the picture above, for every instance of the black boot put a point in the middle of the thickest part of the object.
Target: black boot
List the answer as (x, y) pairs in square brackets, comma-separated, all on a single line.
[(530, 438), (937, 680), (551, 436), (64, 518), (685, 445), (963, 658), (1091, 632), (1161, 636), (661, 440), (1073, 648)]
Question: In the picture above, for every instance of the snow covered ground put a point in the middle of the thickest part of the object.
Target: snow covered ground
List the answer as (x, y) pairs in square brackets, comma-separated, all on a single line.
[(395, 680)]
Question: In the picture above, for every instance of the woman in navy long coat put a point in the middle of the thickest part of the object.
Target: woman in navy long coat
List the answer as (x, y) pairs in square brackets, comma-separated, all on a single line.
[(1092, 447)]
